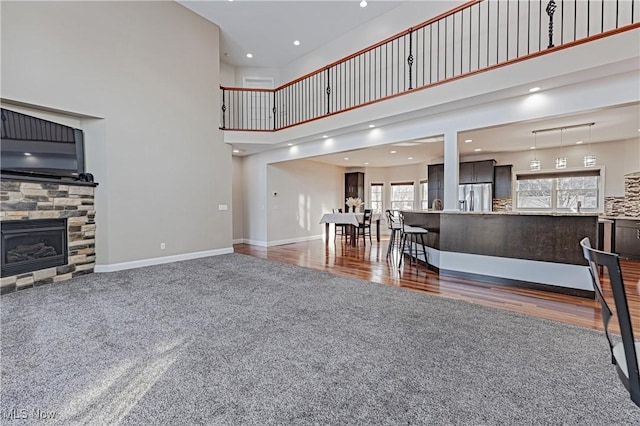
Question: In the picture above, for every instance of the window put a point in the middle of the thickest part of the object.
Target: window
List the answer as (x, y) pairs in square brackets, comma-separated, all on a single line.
[(424, 195), (559, 191), (376, 197), (402, 196)]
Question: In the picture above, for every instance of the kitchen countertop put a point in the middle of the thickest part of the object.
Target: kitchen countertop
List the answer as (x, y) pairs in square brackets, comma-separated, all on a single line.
[(518, 213), (620, 217)]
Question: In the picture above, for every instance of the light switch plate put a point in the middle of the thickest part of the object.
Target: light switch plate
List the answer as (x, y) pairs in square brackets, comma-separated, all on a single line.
[(222, 207)]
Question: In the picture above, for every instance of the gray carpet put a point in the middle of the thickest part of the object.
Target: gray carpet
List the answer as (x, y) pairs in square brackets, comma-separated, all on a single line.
[(239, 340)]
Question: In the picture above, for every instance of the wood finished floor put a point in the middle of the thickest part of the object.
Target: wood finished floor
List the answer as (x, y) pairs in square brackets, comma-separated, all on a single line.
[(370, 263)]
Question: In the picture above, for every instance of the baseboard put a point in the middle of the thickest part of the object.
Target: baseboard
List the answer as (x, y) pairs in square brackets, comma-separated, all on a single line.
[(294, 240), (259, 243), (254, 242), (160, 260)]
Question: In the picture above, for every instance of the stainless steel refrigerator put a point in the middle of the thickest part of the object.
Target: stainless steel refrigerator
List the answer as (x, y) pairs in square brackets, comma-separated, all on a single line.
[(477, 197)]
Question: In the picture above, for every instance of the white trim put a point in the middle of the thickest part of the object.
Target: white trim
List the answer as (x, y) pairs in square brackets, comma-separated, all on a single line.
[(238, 241), (160, 260), (258, 82), (254, 242), (294, 240)]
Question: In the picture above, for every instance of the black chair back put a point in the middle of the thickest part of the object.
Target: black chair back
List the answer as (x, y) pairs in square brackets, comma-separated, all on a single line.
[(623, 354), (367, 216)]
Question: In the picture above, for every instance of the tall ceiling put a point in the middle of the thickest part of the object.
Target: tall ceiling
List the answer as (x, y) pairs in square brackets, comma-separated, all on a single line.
[(267, 29)]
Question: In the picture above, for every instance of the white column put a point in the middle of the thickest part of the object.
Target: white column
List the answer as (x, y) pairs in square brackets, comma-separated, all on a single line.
[(450, 171)]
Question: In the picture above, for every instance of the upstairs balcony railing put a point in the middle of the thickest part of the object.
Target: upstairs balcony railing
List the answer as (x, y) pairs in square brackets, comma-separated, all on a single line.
[(477, 36)]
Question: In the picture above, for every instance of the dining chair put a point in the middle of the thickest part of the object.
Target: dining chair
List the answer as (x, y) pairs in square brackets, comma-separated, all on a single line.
[(411, 233), (365, 226), (340, 229), (624, 353)]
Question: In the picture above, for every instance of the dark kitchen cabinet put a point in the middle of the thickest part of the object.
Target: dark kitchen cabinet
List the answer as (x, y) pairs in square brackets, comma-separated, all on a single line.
[(502, 181), (353, 186), (435, 185), (627, 238), (476, 172)]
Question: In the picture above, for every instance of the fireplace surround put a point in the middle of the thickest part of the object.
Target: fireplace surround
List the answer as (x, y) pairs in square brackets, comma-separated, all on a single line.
[(42, 209)]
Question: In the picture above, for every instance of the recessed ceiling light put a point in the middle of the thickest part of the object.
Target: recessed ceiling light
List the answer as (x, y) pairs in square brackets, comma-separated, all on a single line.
[(249, 55), (324, 136), (296, 42), (27, 154), (371, 126), (363, 3), (346, 158), (534, 89), (366, 164), (289, 144), (393, 152), (235, 151), (468, 140), (578, 143), (532, 147), (478, 149), (410, 158)]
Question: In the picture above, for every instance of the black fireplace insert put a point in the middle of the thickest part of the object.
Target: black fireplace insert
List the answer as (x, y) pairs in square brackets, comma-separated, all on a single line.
[(31, 245)]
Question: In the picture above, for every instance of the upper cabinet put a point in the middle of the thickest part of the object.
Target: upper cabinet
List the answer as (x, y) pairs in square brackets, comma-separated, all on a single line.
[(354, 186), (477, 172), (502, 181)]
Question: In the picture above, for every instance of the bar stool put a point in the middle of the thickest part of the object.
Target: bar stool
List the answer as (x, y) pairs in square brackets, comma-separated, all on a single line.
[(393, 222), (412, 232)]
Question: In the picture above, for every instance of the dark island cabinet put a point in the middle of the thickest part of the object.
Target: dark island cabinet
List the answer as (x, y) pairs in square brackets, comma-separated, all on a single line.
[(502, 181), (477, 172), (627, 238), (353, 186)]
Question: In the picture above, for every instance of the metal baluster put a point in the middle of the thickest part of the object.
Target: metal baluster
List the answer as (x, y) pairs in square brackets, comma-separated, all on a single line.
[(551, 8), (274, 110), (575, 19), (410, 58), (224, 108), (328, 91)]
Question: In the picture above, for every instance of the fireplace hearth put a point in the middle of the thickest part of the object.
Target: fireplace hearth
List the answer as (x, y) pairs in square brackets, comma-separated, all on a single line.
[(31, 245)]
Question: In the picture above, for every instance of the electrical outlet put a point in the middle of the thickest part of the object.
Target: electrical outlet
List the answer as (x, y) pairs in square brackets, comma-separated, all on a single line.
[(163, 246)]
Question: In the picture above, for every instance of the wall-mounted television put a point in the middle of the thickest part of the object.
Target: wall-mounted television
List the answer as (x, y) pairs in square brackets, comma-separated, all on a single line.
[(37, 147)]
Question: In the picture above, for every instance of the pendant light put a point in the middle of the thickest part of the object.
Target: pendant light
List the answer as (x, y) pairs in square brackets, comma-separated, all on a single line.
[(590, 158), (535, 163), (561, 162)]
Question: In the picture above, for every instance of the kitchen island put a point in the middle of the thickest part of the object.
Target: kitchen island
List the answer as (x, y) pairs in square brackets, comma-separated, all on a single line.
[(538, 250)]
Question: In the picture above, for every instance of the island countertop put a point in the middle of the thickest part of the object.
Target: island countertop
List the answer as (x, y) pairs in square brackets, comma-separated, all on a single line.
[(509, 213)]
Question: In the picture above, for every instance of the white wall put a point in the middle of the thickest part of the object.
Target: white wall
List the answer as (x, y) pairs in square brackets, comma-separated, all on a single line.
[(143, 78), (305, 190), (237, 184)]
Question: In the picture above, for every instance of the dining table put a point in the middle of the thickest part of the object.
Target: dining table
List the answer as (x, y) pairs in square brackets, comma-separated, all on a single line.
[(350, 219)]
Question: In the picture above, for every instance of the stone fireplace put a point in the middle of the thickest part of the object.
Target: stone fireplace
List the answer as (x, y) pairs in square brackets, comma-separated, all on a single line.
[(48, 232)]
